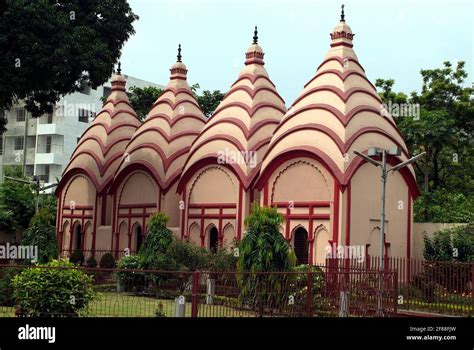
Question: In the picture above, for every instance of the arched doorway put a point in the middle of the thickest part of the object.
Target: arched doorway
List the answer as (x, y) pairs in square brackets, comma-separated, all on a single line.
[(301, 245), (77, 241), (213, 240), (138, 237)]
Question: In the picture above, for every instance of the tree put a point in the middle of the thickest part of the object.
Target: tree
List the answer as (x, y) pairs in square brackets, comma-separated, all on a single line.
[(42, 234), (142, 99), (263, 248), (208, 101), (52, 48), (443, 130), (157, 240), (17, 202)]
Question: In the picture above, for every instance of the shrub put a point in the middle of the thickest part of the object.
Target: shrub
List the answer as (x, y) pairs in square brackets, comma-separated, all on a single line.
[(6, 285), (157, 240), (130, 281), (222, 261), (77, 257), (187, 256), (60, 291), (107, 261), (91, 262), (42, 234), (454, 244)]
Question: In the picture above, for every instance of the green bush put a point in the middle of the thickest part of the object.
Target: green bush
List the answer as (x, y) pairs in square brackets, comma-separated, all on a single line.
[(60, 291), (6, 285), (186, 256), (91, 262), (107, 261), (77, 257), (131, 281), (222, 261), (42, 234), (454, 244), (157, 240)]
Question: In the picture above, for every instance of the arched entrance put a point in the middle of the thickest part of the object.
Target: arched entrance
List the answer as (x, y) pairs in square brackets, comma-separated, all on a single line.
[(77, 238), (301, 245), (213, 240)]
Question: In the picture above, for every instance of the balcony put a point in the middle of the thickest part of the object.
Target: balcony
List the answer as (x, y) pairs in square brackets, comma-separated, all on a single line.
[(49, 153), (50, 129)]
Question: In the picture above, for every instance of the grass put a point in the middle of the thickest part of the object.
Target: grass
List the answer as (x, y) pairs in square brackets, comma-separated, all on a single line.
[(112, 304)]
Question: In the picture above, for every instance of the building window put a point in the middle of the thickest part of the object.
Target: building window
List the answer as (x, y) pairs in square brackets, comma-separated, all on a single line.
[(20, 114), (50, 118), (48, 144), (78, 139), (84, 115), (19, 143), (1, 144)]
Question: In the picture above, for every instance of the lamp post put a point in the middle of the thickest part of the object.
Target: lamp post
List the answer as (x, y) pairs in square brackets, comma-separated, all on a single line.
[(35, 181), (372, 152), (393, 151)]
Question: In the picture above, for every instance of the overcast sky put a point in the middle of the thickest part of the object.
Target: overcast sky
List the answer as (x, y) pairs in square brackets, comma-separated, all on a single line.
[(394, 38)]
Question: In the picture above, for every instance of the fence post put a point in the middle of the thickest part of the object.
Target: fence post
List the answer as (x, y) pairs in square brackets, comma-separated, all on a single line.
[(395, 294), (407, 282), (195, 294), (309, 294)]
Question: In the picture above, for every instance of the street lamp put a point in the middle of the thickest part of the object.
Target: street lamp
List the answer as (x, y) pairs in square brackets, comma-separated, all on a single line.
[(393, 151), (35, 181)]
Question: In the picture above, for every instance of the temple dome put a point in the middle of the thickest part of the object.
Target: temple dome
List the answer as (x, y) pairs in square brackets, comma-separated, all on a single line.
[(101, 146), (162, 142), (243, 123), (338, 111)]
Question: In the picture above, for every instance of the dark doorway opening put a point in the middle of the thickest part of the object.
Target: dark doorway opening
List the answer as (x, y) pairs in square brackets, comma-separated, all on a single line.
[(77, 245), (138, 238), (301, 245), (213, 240)]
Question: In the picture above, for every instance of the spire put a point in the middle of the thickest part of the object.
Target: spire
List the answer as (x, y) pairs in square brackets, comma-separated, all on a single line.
[(342, 13), (255, 36), (179, 53), (119, 68)]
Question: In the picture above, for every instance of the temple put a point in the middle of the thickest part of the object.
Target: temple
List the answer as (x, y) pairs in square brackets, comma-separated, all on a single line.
[(205, 173)]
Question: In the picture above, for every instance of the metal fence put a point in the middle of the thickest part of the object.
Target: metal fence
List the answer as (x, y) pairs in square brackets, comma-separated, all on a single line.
[(325, 291), (440, 287), (97, 254)]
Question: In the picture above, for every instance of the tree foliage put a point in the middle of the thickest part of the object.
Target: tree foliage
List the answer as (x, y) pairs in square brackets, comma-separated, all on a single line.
[(455, 244), (142, 99), (52, 48), (444, 131), (42, 234), (157, 240), (17, 202), (208, 101), (263, 247)]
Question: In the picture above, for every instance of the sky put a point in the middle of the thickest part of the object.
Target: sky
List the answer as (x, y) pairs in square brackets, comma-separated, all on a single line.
[(394, 39)]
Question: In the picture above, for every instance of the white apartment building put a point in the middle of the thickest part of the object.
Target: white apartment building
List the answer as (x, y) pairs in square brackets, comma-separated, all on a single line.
[(42, 146)]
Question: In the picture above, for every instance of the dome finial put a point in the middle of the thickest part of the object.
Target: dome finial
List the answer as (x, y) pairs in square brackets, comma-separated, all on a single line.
[(179, 53), (119, 68), (342, 13), (255, 36)]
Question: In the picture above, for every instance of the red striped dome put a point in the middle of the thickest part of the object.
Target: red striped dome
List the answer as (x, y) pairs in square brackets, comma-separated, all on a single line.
[(337, 112), (242, 125), (162, 143), (101, 147)]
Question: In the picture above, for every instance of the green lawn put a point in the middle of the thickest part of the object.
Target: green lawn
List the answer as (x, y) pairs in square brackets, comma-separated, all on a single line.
[(112, 304)]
